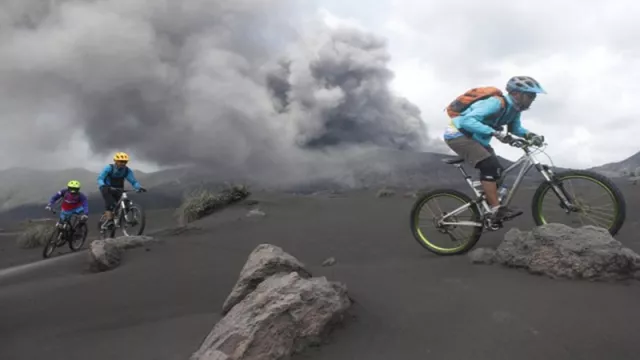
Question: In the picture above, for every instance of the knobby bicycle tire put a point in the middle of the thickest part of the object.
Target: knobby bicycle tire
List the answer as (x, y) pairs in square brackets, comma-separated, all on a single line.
[(424, 242), (84, 237), (52, 241), (601, 180)]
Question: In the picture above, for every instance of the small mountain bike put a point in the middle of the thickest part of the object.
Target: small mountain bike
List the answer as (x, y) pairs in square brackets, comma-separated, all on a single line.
[(556, 192), (126, 216), (72, 231)]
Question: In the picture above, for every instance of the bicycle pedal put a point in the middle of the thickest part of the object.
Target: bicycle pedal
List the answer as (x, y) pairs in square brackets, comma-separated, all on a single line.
[(515, 215)]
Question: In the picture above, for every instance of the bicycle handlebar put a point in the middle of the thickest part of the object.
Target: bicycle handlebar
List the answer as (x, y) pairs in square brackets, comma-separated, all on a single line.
[(124, 190), (523, 143)]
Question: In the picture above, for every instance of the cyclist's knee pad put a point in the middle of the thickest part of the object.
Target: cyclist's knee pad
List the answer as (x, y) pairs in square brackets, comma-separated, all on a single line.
[(490, 169)]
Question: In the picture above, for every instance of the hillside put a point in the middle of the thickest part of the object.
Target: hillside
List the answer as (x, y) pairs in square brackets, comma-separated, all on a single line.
[(624, 168), (23, 191)]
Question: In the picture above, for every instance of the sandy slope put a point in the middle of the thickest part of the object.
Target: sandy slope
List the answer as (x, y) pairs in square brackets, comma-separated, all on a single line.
[(411, 305)]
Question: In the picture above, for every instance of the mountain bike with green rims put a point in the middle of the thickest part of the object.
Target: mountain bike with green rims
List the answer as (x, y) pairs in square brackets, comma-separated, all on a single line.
[(556, 192)]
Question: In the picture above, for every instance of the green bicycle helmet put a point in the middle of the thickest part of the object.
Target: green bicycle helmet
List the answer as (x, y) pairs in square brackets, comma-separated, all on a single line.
[(73, 186)]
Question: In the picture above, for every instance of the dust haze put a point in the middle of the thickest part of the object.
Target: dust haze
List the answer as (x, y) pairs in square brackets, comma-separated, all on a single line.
[(253, 87)]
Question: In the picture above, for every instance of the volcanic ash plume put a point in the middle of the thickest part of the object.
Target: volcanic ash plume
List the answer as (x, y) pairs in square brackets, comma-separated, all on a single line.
[(226, 84)]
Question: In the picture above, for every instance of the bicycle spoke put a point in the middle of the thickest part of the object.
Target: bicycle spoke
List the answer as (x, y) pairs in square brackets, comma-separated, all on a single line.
[(454, 236), (594, 203)]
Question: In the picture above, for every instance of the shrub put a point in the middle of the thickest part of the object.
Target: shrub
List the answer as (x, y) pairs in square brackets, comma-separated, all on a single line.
[(385, 192), (202, 202), (35, 235)]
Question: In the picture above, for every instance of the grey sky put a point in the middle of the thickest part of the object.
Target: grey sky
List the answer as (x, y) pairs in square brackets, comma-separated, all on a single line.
[(583, 53), (174, 85)]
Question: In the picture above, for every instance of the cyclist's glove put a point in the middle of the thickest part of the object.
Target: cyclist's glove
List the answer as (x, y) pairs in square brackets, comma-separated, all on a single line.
[(84, 217), (48, 207), (503, 138), (141, 190), (535, 139)]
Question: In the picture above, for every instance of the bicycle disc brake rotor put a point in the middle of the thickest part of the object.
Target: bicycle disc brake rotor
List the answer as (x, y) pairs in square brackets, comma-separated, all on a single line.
[(444, 229)]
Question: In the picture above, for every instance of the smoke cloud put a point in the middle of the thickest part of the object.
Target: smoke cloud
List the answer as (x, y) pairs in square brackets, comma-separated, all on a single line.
[(243, 86)]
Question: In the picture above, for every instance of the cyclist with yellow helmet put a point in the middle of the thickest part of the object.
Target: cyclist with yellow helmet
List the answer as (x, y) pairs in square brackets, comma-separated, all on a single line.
[(73, 202), (111, 183)]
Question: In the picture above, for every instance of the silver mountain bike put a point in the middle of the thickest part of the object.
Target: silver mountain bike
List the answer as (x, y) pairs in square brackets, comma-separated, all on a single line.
[(556, 192), (126, 215)]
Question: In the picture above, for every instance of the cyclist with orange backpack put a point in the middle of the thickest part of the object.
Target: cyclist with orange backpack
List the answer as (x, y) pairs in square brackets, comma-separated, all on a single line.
[(480, 114)]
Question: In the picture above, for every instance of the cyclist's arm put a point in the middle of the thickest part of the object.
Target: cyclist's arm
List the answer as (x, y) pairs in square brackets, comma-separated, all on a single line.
[(472, 119), (56, 197), (516, 127), (103, 174), (85, 203), (132, 179)]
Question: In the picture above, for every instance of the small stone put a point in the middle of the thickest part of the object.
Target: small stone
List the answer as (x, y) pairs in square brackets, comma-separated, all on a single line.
[(329, 262)]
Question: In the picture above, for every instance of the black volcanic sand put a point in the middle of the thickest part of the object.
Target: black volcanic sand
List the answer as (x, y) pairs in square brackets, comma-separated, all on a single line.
[(160, 304)]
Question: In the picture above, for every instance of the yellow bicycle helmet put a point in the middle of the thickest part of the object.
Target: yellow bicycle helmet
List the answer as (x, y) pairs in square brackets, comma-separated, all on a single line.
[(73, 186), (120, 156)]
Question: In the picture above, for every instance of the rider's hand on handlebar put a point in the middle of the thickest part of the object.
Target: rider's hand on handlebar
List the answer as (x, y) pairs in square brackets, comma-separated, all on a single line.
[(503, 138), (48, 207), (535, 139), (141, 190), (84, 217)]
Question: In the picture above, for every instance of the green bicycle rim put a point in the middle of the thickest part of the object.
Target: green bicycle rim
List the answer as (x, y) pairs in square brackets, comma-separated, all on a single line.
[(423, 238), (597, 182)]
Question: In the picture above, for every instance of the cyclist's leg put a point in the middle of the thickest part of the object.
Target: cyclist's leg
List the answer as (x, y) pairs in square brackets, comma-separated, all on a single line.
[(79, 211), (476, 155), (64, 215), (492, 166), (108, 203)]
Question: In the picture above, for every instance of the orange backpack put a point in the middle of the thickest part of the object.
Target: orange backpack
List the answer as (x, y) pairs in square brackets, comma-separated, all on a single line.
[(462, 102)]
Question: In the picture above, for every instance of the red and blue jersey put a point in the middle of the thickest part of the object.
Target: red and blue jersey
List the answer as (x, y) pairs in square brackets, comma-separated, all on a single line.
[(71, 201)]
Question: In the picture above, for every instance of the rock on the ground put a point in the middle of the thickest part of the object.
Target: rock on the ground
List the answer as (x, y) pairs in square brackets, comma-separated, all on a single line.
[(107, 254), (329, 261), (482, 256), (560, 251), (255, 212), (284, 314), (104, 255), (265, 260)]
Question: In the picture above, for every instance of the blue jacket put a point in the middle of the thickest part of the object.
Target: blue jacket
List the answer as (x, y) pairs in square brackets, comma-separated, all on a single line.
[(104, 179), (475, 120)]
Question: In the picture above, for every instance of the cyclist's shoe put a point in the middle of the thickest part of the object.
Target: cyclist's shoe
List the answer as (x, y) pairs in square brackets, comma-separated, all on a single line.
[(107, 224), (504, 213)]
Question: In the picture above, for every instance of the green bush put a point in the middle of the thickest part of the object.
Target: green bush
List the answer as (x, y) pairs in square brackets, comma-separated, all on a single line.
[(35, 235), (202, 202)]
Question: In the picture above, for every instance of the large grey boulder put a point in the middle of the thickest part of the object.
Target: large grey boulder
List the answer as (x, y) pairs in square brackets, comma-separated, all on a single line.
[(265, 260), (278, 310), (560, 251), (107, 254)]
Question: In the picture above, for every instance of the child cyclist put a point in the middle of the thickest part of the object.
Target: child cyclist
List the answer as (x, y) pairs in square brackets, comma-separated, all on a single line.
[(73, 202)]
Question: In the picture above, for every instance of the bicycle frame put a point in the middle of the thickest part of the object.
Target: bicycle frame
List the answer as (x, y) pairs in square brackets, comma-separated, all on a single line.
[(525, 162), (122, 202)]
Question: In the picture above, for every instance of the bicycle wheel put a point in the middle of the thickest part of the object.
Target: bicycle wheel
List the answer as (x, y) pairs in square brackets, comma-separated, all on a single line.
[(136, 217), (79, 236), (50, 246), (452, 246), (591, 185)]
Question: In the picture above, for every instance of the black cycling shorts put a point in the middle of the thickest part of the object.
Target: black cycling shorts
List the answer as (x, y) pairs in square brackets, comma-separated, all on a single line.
[(110, 196)]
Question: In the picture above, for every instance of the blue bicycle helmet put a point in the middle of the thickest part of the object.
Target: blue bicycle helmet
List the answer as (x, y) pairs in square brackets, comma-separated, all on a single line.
[(525, 84)]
